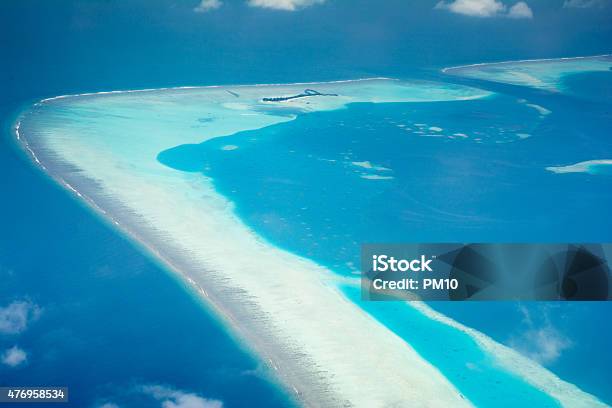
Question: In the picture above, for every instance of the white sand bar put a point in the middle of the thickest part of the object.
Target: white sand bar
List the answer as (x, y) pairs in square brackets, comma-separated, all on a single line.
[(323, 348)]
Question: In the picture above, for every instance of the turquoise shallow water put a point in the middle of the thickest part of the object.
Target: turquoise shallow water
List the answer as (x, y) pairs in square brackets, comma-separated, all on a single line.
[(585, 360), (450, 171), (475, 374)]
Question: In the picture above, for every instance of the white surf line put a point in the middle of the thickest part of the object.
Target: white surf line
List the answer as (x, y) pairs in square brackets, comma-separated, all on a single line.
[(341, 81), (524, 60), (26, 146)]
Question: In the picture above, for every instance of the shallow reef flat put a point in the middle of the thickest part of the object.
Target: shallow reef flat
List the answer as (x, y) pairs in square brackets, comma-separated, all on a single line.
[(287, 310), (542, 74)]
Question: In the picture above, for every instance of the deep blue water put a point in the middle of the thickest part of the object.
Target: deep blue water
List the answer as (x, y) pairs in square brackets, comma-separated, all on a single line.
[(593, 86), (296, 183), (111, 319)]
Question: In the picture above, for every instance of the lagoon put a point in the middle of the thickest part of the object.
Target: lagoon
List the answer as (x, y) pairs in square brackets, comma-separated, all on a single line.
[(137, 157)]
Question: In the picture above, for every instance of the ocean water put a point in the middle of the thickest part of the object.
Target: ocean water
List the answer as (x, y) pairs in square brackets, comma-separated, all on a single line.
[(104, 336), (115, 139), (593, 86), (381, 163), (465, 171)]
